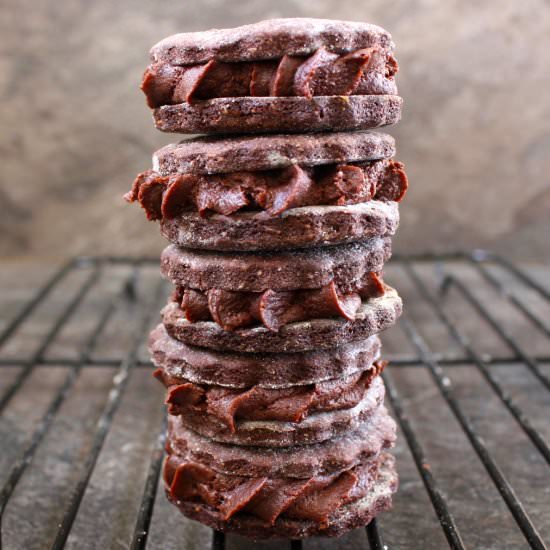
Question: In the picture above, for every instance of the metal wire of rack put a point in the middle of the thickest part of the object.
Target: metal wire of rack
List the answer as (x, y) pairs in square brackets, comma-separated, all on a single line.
[(468, 316)]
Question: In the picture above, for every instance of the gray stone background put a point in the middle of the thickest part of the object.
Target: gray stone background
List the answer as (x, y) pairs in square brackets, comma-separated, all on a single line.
[(75, 129)]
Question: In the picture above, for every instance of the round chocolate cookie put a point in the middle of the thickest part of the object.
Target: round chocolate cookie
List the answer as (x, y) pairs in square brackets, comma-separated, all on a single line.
[(329, 457), (358, 512), (215, 155), (373, 316), (272, 38), (275, 433), (286, 270), (295, 228), (234, 115), (269, 370)]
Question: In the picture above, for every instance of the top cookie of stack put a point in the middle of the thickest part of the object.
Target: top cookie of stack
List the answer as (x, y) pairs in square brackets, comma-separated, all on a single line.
[(282, 75)]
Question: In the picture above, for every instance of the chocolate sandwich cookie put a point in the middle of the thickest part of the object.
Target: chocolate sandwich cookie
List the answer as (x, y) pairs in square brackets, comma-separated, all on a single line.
[(331, 456), (264, 507), (272, 302), (313, 268), (278, 75), (358, 319), (269, 370), (272, 290), (209, 414), (261, 193), (228, 407)]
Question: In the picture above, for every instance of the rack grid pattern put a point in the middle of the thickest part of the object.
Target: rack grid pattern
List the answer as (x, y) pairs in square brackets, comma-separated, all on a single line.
[(467, 316)]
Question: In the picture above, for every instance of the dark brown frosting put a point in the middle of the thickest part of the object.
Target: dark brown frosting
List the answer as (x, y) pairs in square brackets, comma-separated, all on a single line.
[(314, 498), (272, 192), (368, 71), (232, 310), (291, 404)]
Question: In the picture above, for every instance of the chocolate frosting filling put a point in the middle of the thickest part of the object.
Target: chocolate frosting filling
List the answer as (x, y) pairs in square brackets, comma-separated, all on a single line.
[(271, 192), (368, 71), (291, 404), (314, 498), (273, 309)]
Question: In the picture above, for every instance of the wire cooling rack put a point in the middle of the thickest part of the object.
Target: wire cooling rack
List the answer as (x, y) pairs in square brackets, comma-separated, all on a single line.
[(82, 422)]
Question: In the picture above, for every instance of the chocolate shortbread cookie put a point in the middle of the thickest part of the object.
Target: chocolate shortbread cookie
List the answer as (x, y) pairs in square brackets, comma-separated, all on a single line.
[(295, 228), (262, 508), (268, 370), (270, 39), (279, 114), (295, 75), (311, 268), (222, 155), (331, 456)]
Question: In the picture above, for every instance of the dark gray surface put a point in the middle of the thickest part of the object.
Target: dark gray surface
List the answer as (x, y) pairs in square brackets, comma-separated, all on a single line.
[(108, 511)]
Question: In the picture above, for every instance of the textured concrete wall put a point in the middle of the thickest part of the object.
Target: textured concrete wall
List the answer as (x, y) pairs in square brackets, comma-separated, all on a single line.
[(75, 129)]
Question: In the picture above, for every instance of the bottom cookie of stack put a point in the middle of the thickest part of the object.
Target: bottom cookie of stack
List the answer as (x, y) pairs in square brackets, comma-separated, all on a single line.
[(322, 489)]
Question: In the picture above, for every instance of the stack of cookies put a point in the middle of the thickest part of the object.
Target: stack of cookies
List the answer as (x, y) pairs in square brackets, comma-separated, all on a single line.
[(268, 346)]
